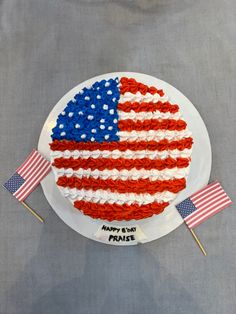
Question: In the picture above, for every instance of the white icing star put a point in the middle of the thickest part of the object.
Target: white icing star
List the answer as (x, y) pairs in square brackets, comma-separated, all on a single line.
[(63, 113), (93, 106), (83, 136), (102, 120), (77, 126), (90, 117), (107, 84), (63, 133), (106, 136), (80, 113), (70, 114), (99, 97), (61, 126), (105, 107), (112, 111), (115, 121), (109, 92), (87, 98), (92, 139), (102, 127), (93, 130), (110, 128)]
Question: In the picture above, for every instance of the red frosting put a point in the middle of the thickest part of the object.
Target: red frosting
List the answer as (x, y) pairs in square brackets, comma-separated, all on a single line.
[(121, 186), (120, 163), (120, 212), (151, 124), (132, 86), (148, 107), (123, 146)]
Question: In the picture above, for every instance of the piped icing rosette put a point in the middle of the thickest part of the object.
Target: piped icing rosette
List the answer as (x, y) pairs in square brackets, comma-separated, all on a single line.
[(120, 150)]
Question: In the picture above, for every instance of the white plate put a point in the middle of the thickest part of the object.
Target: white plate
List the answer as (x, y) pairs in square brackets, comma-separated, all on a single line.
[(156, 226)]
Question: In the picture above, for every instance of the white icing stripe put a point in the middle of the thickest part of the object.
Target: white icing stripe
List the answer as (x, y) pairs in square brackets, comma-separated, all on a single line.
[(138, 97), (134, 174), (153, 135), (148, 115), (102, 197), (128, 154)]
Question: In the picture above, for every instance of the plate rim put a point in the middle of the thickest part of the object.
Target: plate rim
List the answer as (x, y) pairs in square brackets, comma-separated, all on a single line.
[(119, 74)]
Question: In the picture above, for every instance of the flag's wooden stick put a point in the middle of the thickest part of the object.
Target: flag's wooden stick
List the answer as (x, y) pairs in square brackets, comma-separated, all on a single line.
[(198, 242), (33, 212)]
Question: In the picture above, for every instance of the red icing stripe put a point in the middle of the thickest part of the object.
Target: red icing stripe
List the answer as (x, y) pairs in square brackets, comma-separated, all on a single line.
[(147, 107), (120, 212), (120, 163), (151, 124), (121, 186), (132, 86), (123, 146)]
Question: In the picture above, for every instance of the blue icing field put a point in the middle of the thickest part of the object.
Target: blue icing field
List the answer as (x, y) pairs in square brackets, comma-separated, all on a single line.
[(91, 115)]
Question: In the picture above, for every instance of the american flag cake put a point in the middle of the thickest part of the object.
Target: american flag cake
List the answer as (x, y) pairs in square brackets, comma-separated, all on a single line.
[(121, 150)]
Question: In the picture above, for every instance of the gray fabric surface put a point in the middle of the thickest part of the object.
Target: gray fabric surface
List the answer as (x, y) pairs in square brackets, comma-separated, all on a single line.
[(46, 48)]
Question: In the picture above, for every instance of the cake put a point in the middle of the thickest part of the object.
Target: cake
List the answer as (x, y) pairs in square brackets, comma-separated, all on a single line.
[(121, 150)]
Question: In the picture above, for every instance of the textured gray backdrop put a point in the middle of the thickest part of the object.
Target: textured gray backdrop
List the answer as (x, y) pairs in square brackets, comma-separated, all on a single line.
[(46, 48)]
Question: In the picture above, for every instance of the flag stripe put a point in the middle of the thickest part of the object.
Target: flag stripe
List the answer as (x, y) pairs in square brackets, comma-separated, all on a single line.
[(128, 154), (204, 190), (184, 143), (120, 186), (132, 86), (34, 182), (209, 198), (119, 212), (24, 187), (211, 204), (132, 174), (18, 170), (102, 196), (27, 163), (152, 124), (43, 162), (212, 212), (153, 135), (31, 178), (33, 167), (148, 97), (120, 163), (148, 115), (209, 192), (33, 186), (147, 107)]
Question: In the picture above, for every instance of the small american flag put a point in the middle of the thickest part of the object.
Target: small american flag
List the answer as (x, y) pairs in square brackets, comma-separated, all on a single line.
[(203, 204), (28, 175)]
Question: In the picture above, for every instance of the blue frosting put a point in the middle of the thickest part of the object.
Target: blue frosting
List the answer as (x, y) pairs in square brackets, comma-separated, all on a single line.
[(92, 114)]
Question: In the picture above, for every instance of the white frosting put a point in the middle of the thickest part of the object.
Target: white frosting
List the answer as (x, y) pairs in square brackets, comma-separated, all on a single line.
[(153, 135), (133, 174), (148, 115), (138, 97), (103, 196), (128, 154)]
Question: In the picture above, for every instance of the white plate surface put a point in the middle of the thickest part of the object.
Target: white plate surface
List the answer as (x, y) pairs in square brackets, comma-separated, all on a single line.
[(156, 226)]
